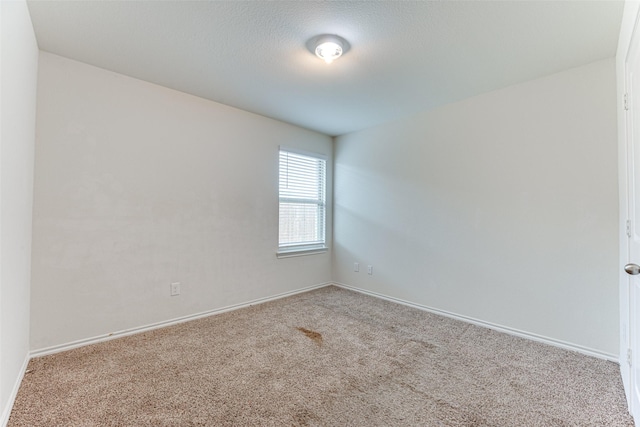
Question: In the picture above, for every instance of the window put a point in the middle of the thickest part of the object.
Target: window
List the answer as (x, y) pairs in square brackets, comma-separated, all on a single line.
[(302, 197)]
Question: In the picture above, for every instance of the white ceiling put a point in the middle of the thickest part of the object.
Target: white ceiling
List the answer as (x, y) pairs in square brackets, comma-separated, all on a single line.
[(405, 57)]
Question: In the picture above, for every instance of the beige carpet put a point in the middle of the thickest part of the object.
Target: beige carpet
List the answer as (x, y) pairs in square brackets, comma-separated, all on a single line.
[(329, 357)]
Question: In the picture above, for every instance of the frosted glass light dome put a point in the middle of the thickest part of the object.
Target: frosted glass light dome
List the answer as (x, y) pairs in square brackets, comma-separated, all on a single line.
[(328, 47), (328, 51)]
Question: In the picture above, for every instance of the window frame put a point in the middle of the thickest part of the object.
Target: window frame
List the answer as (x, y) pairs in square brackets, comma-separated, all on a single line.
[(290, 250)]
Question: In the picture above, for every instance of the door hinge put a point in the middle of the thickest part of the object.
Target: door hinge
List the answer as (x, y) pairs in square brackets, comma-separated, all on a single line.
[(628, 228), (629, 356), (626, 101)]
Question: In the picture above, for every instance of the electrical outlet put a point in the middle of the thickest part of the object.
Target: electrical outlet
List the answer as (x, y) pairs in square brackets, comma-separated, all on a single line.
[(356, 266), (370, 269), (175, 289)]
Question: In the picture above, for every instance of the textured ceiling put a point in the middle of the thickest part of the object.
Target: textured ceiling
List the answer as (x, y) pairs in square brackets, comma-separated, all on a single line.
[(405, 57)]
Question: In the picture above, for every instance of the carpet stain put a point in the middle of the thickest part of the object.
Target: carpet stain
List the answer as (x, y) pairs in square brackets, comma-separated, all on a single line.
[(304, 417), (315, 336)]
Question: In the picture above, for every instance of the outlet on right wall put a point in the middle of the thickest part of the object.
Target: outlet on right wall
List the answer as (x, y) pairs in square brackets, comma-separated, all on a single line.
[(502, 208)]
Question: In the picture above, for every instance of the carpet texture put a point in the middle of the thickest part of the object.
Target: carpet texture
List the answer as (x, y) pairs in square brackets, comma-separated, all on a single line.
[(329, 357)]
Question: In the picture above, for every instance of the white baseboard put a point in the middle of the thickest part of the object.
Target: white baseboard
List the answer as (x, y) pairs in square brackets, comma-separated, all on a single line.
[(6, 411), (511, 331), (500, 328), (106, 337), (80, 343)]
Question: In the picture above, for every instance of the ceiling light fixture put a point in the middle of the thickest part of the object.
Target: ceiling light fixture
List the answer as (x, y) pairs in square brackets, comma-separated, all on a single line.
[(328, 47)]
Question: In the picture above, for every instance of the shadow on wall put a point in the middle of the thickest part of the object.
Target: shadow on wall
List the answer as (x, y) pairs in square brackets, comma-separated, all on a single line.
[(443, 245)]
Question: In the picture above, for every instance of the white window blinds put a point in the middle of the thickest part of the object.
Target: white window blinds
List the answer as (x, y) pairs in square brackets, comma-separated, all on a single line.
[(302, 201)]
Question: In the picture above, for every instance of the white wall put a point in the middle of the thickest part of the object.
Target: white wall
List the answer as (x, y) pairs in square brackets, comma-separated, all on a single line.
[(501, 207), (137, 186), (18, 78)]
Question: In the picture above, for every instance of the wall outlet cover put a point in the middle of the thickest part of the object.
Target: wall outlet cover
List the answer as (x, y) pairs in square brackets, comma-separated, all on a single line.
[(175, 289)]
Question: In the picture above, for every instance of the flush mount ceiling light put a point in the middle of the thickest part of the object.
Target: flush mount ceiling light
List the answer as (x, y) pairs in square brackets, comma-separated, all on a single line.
[(328, 47)]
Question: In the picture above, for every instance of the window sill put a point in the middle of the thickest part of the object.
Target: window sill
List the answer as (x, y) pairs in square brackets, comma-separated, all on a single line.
[(287, 253)]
